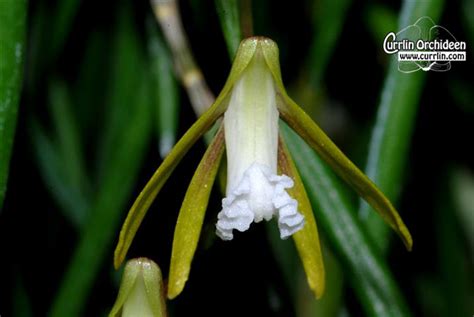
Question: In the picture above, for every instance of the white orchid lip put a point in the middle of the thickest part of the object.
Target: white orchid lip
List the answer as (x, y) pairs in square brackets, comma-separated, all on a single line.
[(254, 190)]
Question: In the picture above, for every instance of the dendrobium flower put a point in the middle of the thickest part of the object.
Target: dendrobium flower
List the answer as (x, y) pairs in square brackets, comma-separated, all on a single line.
[(254, 190), (262, 180)]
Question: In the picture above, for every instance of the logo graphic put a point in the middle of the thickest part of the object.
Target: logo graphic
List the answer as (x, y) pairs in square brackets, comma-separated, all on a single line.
[(426, 46)]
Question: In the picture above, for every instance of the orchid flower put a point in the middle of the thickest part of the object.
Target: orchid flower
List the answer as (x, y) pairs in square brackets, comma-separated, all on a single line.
[(262, 180)]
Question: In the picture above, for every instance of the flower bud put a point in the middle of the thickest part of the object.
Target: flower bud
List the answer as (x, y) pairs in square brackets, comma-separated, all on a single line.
[(141, 291)]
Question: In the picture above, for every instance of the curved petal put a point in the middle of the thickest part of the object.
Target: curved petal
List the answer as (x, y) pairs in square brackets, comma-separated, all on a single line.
[(329, 152), (191, 215), (154, 185), (307, 239), (142, 203)]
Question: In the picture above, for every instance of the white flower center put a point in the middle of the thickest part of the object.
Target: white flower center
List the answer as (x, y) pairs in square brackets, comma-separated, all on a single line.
[(254, 190)]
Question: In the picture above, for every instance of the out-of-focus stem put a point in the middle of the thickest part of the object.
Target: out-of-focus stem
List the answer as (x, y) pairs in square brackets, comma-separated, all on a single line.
[(201, 97), (246, 19), (167, 15)]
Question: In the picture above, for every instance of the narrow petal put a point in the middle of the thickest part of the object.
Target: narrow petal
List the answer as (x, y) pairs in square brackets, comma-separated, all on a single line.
[(154, 185), (142, 203), (319, 141), (307, 239), (191, 215)]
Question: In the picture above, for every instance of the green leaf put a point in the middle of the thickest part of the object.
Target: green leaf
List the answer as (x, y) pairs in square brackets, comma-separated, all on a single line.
[(306, 239), (71, 156), (117, 178), (52, 168), (87, 92), (380, 20), (12, 51), (453, 260), (396, 114), (229, 16), (61, 160), (191, 215), (166, 93), (366, 272), (329, 17), (114, 191), (61, 25)]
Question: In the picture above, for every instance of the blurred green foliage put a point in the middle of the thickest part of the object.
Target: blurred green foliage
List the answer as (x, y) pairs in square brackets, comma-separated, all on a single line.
[(399, 99), (99, 87), (12, 52)]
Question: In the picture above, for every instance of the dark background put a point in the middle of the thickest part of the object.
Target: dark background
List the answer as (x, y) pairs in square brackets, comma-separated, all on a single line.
[(241, 277)]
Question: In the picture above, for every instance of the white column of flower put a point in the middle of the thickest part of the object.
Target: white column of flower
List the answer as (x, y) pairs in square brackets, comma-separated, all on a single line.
[(254, 190)]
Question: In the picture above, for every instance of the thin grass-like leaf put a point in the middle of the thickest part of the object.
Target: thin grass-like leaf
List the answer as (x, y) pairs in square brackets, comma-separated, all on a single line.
[(228, 11), (12, 51), (114, 191), (87, 92), (380, 20), (191, 215), (118, 176), (62, 23), (69, 147), (367, 273), (452, 259), (328, 21), (396, 114), (51, 166)]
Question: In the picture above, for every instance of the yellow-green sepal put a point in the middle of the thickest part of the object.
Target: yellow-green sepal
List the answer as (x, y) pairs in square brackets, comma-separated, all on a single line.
[(322, 144), (145, 198), (191, 215), (319, 141), (129, 278), (306, 239), (142, 203), (141, 273)]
